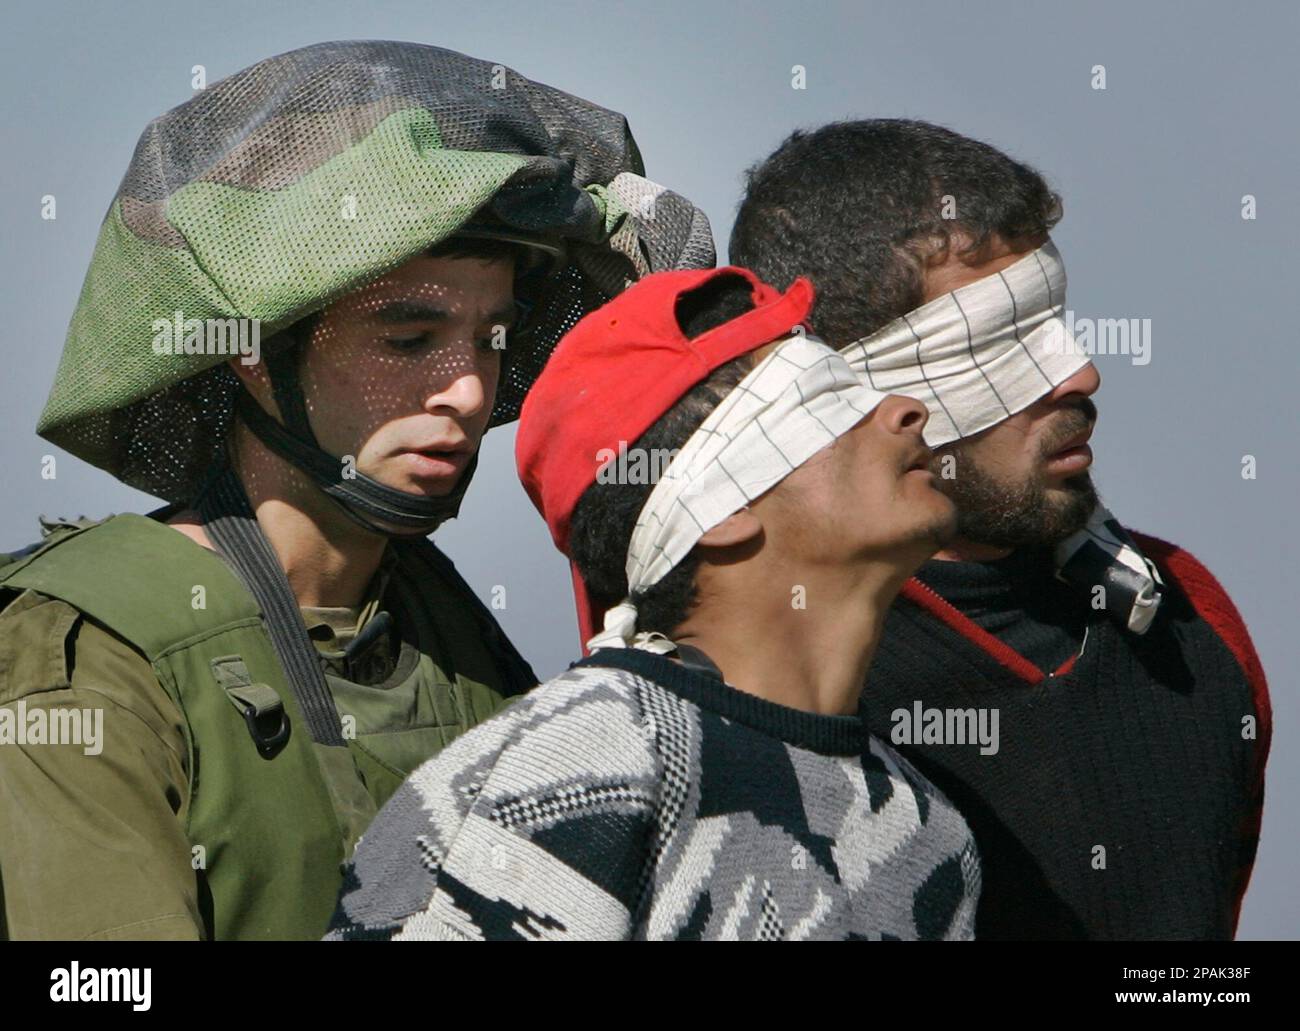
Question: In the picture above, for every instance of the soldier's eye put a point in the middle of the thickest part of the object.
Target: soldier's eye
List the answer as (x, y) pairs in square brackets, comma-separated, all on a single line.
[(407, 345)]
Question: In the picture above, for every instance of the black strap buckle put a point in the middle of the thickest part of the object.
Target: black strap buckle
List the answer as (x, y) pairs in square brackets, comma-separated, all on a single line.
[(259, 704), (270, 730)]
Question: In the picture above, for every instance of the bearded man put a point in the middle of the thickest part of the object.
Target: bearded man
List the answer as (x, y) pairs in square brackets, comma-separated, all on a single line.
[(1124, 797)]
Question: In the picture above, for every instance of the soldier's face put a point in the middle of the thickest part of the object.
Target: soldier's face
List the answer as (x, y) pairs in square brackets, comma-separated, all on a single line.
[(402, 373)]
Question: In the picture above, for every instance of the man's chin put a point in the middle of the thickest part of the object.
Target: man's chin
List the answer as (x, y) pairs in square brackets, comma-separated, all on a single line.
[(944, 531), (424, 489), (1029, 517), (1075, 485), (1070, 505), (416, 486), (931, 536), (938, 525)]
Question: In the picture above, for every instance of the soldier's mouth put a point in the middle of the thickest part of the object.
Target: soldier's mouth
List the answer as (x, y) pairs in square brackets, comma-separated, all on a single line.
[(436, 464)]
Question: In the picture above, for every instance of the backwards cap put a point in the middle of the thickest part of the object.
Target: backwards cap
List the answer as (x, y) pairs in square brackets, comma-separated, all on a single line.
[(616, 373)]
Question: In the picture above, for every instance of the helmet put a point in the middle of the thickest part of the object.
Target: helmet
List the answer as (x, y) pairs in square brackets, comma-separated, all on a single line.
[(289, 184)]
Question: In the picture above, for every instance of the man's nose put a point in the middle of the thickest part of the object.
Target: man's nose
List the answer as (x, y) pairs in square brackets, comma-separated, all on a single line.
[(1084, 382), (899, 414), (459, 388)]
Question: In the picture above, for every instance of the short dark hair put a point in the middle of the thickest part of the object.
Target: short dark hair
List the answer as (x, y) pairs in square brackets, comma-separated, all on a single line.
[(858, 206), (603, 519)]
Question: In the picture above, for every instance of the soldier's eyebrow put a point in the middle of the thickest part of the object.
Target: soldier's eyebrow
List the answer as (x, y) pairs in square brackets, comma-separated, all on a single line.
[(400, 312)]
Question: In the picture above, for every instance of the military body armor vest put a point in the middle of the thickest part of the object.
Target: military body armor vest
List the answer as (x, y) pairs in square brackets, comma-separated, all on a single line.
[(272, 815)]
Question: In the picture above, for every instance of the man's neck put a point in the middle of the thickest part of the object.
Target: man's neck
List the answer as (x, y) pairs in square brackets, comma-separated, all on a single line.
[(328, 559), (802, 641), (327, 566)]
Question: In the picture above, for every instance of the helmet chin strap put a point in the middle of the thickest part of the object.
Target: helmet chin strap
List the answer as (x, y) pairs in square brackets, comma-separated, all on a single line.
[(367, 502)]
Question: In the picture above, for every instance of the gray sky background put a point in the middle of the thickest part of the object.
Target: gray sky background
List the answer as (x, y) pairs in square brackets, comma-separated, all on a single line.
[(1199, 110)]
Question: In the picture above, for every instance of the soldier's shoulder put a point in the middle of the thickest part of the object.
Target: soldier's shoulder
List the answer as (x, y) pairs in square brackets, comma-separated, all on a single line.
[(51, 636), (51, 529), (48, 644)]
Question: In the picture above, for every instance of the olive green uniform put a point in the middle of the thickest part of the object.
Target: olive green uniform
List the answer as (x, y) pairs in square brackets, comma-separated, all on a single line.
[(121, 844), (251, 207)]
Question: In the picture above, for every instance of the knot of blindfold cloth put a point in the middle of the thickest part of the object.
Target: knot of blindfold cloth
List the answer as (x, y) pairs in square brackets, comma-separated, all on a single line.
[(802, 397), (979, 355)]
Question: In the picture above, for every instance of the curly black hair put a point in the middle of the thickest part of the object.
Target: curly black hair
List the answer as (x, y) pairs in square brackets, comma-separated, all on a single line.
[(860, 206)]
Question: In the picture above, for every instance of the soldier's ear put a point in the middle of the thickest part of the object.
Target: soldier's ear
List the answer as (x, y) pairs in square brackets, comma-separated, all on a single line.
[(254, 376), (257, 381)]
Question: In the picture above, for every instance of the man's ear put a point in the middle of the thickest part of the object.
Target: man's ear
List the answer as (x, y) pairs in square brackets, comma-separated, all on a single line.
[(255, 377), (737, 528), (257, 381)]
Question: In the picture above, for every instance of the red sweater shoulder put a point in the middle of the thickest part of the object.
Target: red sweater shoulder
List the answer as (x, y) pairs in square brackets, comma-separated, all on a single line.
[(1213, 605)]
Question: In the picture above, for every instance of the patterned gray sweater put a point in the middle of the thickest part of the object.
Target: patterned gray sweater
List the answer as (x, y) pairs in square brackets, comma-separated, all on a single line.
[(633, 797)]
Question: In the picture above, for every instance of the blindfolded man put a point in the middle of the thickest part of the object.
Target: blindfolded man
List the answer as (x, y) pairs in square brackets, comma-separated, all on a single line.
[(1124, 797), (704, 772)]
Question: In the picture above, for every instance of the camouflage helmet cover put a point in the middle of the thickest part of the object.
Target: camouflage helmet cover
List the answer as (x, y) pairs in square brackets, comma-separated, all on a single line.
[(283, 187)]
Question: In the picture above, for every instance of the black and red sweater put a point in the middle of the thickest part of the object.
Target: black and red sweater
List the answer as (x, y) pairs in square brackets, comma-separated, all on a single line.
[(1139, 745)]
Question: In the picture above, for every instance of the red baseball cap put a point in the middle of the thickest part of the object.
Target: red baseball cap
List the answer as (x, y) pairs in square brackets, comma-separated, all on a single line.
[(615, 373)]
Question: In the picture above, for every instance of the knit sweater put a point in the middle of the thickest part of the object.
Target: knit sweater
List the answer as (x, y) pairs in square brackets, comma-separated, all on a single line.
[(1019, 600), (632, 797), (1124, 799)]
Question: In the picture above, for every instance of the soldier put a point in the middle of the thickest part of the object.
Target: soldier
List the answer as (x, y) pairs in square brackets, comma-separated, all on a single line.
[(272, 652)]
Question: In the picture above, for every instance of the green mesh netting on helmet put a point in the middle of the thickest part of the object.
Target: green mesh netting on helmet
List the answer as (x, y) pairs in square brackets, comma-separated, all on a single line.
[(286, 185)]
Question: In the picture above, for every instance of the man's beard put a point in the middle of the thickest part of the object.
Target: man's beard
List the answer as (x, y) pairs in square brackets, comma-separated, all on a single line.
[(1022, 515)]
